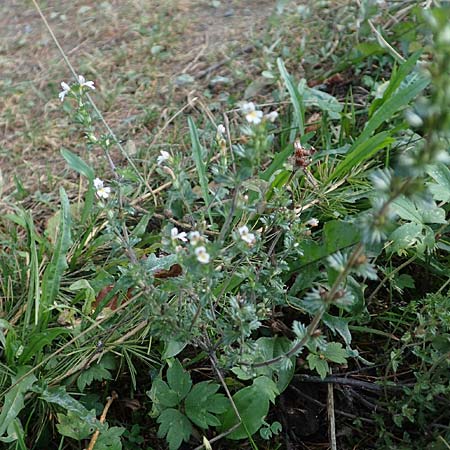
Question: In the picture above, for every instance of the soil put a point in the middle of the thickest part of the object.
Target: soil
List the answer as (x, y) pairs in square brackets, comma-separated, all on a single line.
[(136, 52)]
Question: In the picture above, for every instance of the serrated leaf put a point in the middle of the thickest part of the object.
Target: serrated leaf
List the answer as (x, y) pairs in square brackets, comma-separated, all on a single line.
[(338, 325), (175, 427), (179, 380), (252, 403), (109, 439), (335, 353), (319, 364), (162, 395), (202, 402), (405, 236), (95, 372)]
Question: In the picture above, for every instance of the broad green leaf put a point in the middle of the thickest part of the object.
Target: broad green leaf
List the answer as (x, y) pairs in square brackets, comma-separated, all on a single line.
[(335, 353), (267, 348), (175, 427), (179, 380), (296, 99), (322, 100), (71, 425), (162, 396), (405, 236), (199, 159), (77, 164), (252, 403), (441, 189), (408, 210), (58, 263), (172, 348), (154, 264), (13, 402), (60, 397), (202, 403)]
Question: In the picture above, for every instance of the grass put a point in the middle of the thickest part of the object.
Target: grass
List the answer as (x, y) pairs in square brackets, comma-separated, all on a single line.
[(103, 296)]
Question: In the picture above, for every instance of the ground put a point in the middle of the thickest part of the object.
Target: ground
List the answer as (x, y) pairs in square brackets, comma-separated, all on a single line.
[(146, 58)]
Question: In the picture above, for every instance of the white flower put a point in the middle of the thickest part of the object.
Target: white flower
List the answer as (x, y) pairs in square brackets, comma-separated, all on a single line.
[(65, 91), (221, 129), (272, 116), (102, 191), (202, 255), (175, 235), (163, 156), (254, 117), (82, 81), (248, 107), (312, 222), (246, 236), (195, 237)]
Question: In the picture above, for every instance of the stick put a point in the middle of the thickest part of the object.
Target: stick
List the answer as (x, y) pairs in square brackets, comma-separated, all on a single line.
[(94, 438), (331, 417)]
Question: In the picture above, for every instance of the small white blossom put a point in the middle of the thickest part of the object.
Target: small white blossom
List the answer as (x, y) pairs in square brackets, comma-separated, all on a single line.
[(163, 156), (180, 236), (248, 107), (195, 237), (82, 81), (272, 116), (246, 236), (254, 117), (102, 191), (65, 91), (312, 222), (221, 130), (202, 255)]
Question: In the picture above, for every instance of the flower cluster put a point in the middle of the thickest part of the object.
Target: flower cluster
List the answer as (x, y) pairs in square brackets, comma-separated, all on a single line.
[(195, 238)]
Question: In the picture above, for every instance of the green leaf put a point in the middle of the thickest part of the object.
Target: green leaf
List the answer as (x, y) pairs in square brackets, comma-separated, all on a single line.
[(77, 164), (154, 264), (199, 159), (441, 189), (405, 236), (71, 425), (60, 397), (109, 439), (408, 210), (58, 263), (322, 100), (202, 402), (267, 348), (338, 325), (38, 341), (365, 150), (252, 403), (335, 353), (95, 372), (162, 395), (315, 362), (296, 99), (13, 402), (175, 427), (179, 380), (172, 348)]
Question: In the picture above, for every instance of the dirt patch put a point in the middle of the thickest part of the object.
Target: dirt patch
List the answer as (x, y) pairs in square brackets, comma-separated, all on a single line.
[(143, 56)]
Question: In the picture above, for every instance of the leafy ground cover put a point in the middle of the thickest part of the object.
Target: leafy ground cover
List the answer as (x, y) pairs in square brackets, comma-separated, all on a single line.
[(230, 231)]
